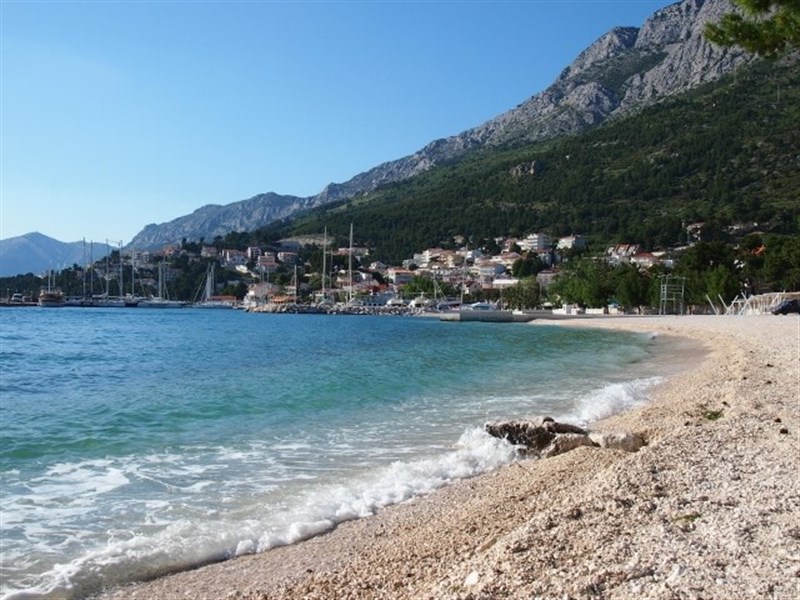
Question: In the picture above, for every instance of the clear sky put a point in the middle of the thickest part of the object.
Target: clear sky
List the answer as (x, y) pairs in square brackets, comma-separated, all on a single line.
[(118, 114)]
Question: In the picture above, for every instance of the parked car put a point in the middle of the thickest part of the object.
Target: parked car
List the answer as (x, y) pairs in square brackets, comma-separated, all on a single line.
[(786, 307)]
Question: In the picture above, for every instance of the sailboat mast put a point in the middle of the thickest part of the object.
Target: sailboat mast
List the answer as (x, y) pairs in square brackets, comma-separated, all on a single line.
[(91, 261), (84, 269), (324, 253), (350, 267), (108, 268), (133, 273), (121, 287)]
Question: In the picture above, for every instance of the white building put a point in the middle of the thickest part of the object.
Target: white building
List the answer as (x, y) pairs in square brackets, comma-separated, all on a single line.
[(400, 276), (622, 253), (233, 258), (570, 242), (289, 258), (536, 242), (501, 283)]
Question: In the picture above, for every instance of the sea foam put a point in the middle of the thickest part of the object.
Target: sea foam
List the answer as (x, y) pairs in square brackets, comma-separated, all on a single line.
[(611, 399), (189, 543), (475, 452)]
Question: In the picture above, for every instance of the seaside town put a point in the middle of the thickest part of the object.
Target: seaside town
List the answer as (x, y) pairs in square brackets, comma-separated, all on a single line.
[(281, 277), (309, 274)]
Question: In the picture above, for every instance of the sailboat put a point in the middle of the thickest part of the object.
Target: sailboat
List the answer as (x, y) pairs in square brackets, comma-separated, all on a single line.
[(106, 300), (208, 300), (160, 301)]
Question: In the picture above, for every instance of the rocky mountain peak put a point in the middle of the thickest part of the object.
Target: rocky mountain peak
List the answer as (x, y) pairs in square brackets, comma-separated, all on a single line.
[(613, 43)]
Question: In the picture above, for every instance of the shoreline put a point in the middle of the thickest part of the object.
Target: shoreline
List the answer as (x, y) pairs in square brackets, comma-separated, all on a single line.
[(710, 508)]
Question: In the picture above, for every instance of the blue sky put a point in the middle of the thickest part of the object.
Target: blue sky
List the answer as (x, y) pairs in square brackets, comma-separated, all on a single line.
[(118, 114)]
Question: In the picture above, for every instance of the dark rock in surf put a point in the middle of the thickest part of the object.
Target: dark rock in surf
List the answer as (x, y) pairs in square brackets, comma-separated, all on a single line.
[(542, 436), (520, 433)]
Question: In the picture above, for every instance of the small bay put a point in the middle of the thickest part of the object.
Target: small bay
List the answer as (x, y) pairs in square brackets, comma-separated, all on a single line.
[(138, 442)]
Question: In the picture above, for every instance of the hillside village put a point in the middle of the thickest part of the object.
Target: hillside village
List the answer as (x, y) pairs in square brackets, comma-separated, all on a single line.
[(530, 272), (283, 274)]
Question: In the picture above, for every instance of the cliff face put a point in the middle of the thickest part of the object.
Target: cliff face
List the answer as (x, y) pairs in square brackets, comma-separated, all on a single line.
[(625, 70), (690, 60)]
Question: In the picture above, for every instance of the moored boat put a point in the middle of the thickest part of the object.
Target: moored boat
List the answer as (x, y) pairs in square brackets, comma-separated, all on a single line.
[(209, 300), (158, 302), (51, 298), (161, 300), (106, 301)]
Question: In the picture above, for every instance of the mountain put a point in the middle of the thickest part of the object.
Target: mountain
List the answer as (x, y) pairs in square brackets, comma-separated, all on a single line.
[(624, 71), (723, 154), (36, 253), (214, 220)]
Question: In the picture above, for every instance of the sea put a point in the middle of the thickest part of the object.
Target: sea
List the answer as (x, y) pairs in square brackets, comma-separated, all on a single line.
[(134, 443)]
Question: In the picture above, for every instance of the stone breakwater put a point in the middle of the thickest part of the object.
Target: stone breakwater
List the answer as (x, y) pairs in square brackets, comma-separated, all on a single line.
[(708, 508), (336, 309)]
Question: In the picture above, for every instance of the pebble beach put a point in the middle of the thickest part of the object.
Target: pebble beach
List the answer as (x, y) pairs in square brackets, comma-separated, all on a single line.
[(709, 508)]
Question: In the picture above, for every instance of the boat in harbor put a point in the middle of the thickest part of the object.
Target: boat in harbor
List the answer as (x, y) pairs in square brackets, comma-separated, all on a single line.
[(487, 312), (209, 300), (106, 301), (51, 298), (160, 301)]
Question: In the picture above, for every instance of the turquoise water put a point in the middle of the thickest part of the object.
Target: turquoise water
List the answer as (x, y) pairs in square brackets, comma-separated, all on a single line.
[(135, 443)]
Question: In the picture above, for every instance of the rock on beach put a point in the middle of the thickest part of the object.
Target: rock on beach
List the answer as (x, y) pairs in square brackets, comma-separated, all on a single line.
[(544, 437)]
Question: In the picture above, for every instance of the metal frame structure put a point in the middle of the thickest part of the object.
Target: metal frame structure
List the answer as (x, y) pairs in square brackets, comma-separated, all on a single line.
[(673, 289)]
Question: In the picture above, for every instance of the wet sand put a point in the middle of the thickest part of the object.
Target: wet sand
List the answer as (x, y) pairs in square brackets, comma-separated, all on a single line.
[(710, 508)]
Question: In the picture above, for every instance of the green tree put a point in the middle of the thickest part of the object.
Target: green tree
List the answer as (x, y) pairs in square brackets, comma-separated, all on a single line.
[(238, 289), (767, 27), (632, 288), (525, 294), (420, 285), (782, 263), (525, 267), (586, 282), (722, 282), (709, 269)]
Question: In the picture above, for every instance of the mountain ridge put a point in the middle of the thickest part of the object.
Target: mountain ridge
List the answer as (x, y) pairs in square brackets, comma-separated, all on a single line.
[(36, 253)]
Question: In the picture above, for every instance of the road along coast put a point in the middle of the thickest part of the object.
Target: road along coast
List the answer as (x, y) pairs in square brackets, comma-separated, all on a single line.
[(709, 508)]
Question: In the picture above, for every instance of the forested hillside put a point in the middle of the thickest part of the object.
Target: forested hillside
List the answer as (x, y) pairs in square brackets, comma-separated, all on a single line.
[(726, 153)]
